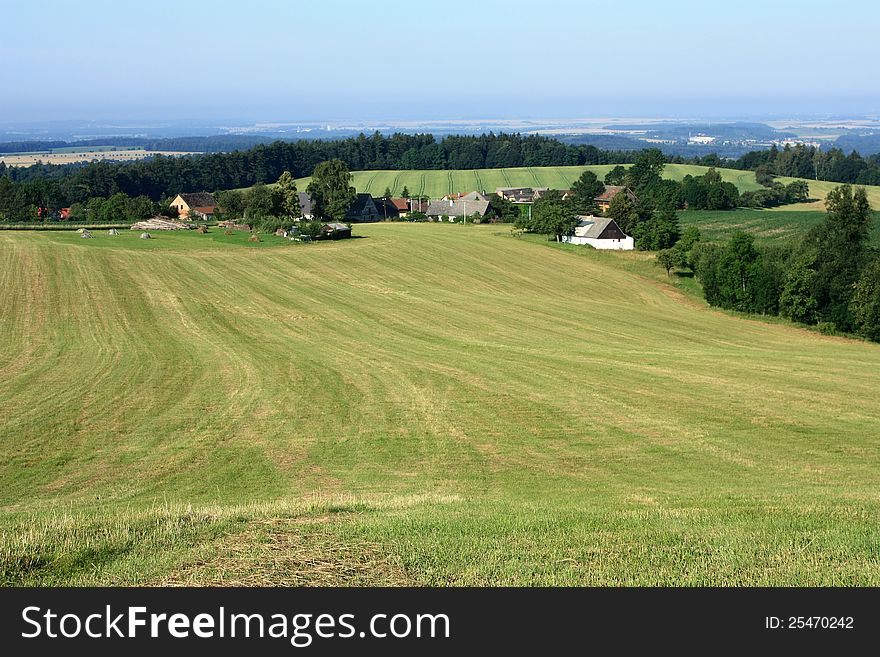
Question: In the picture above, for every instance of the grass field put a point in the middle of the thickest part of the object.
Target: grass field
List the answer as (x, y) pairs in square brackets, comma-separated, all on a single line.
[(765, 225), (430, 404), (438, 183)]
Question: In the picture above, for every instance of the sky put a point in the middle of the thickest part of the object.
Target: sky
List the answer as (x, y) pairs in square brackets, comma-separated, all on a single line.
[(271, 60)]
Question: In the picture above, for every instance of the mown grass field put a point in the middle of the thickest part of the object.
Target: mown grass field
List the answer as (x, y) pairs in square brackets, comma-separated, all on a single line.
[(429, 404)]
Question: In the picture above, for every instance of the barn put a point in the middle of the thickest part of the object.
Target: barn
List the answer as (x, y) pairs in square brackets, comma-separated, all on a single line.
[(600, 233)]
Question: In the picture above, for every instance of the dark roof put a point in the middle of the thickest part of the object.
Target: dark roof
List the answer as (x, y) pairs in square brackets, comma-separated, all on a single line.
[(305, 204), (359, 202), (457, 208), (199, 200), (387, 207), (594, 226)]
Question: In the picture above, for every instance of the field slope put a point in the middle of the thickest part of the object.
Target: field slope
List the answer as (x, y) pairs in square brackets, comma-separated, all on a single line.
[(438, 183), (429, 404)]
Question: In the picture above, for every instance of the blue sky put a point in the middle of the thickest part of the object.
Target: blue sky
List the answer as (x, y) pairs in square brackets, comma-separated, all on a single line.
[(390, 59)]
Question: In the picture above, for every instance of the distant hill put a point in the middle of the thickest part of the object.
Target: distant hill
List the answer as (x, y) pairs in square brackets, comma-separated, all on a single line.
[(864, 144)]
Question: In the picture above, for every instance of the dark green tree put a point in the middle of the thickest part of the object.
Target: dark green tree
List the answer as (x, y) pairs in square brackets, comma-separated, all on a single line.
[(646, 170), (865, 304), (585, 190), (553, 216), (841, 248), (617, 176), (797, 300), (290, 208), (624, 211), (668, 259), (331, 190)]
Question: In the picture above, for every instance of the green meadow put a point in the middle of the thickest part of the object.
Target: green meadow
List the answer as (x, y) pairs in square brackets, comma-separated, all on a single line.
[(436, 183), (765, 225), (427, 404)]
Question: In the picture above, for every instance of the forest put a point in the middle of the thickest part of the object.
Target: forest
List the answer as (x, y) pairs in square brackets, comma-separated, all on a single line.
[(23, 191), (830, 279)]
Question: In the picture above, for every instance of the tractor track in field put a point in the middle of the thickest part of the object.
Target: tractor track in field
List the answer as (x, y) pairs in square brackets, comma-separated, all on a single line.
[(479, 180), (506, 177), (450, 186), (422, 186), (394, 184), (369, 187), (534, 176)]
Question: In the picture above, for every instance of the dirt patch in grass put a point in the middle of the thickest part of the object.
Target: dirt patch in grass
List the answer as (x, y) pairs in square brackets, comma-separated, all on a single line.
[(291, 552)]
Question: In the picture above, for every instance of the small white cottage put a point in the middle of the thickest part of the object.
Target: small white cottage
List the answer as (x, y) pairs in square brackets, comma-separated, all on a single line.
[(600, 233)]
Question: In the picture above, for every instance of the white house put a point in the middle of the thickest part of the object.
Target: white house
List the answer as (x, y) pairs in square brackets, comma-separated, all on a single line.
[(600, 233)]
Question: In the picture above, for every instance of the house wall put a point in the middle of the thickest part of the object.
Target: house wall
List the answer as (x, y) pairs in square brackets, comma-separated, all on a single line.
[(625, 244), (182, 207)]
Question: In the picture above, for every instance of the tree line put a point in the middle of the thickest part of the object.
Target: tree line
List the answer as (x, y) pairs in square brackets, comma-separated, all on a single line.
[(801, 161), (831, 278), (53, 186)]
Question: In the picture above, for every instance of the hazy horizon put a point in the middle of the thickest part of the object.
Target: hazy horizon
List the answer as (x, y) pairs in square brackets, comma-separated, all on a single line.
[(390, 60)]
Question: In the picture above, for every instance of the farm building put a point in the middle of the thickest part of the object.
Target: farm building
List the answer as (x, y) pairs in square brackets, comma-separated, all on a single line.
[(600, 233), (604, 199), (200, 205), (305, 205), (520, 194), (387, 208), (458, 208), (363, 209), (469, 196), (335, 231)]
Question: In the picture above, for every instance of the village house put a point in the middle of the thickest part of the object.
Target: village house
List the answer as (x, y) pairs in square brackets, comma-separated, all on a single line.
[(305, 206), (387, 208), (469, 196), (417, 205), (520, 194), (199, 205), (604, 199), (600, 233), (363, 209), (458, 208), (402, 205)]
